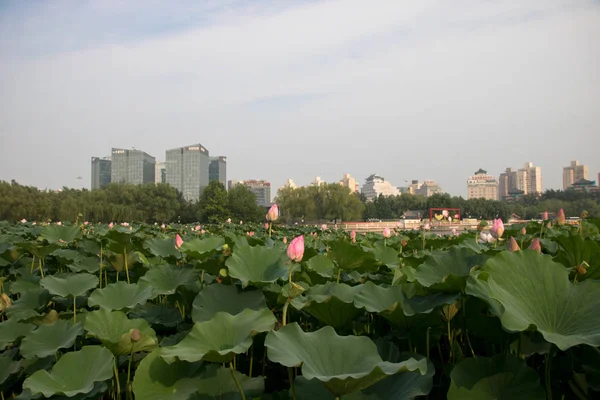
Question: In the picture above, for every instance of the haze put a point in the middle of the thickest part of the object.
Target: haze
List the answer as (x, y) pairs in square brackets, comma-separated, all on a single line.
[(406, 89)]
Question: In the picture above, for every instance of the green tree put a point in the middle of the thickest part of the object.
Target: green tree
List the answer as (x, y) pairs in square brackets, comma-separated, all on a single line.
[(213, 203), (242, 204)]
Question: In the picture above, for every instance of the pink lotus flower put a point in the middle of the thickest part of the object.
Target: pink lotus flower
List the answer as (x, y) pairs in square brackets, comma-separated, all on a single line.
[(456, 216), (545, 216), (535, 245), (560, 217), (198, 227), (353, 235), (228, 220), (273, 213), (513, 245), (427, 227), (266, 225), (251, 233), (295, 250), (86, 223), (399, 224), (162, 226), (285, 240), (110, 225), (324, 227), (387, 233), (454, 232), (59, 223), (241, 223), (23, 221), (124, 223), (135, 335), (202, 232), (497, 229), (523, 231), (178, 241)]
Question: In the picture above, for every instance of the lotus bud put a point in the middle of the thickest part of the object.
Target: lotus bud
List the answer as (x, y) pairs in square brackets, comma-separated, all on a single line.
[(198, 227), (5, 302), (454, 233), (178, 241), (545, 216), (202, 232), (241, 222), (110, 226), (23, 221), (387, 233), (285, 240), (324, 227), (353, 235), (560, 217), (59, 223), (273, 213), (135, 335), (86, 223), (295, 250), (228, 220), (266, 225), (581, 270), (497, 229), (549, 225), (162, 226), (523, 231), (535, 245), (427, 227), (449, 219), (513, 245)]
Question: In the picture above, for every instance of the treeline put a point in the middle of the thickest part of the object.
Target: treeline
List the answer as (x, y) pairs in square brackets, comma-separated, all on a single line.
[(123, 203)]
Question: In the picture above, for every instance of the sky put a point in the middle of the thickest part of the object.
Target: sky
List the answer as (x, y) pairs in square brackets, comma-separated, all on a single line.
[(413, 89)]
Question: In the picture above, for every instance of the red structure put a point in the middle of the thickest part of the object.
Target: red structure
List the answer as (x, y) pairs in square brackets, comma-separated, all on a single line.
[(444, 213)]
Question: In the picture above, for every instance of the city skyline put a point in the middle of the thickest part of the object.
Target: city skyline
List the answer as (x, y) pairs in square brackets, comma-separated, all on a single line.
[(414, 89)]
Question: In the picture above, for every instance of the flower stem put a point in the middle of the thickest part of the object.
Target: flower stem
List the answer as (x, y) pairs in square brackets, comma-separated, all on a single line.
[(127, 386), (237, 383), (339, 274), (74, 309), (126, 267), (117, 379), (292, 387), (285, 308), (548, 374)]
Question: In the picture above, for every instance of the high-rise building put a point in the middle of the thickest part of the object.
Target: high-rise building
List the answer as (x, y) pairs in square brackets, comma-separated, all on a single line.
[(349, 182), (160, 172), (217, 170), (376, 185), (533, 178), (261, 190), (512, 181), (188, 170), (131, 166), (428, 188), (482, 185), (100, 172), (573, 173)]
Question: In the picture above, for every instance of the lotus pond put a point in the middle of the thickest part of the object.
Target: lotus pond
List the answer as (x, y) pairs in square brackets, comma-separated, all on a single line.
[(122, 312)]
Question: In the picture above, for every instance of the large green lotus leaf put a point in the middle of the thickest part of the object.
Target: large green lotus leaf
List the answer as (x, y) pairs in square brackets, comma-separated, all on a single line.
[(86, 264), (117, 260), (11, 330), (121, 295), (331, 303), (226, 298), (220, 338), (60, 233), (37, 250), (344, 364), (386, 255), (47, 339), (162, 247), (501, 377), (165, 279), (114, 330), (158, 315), (216, 383), (257, 265), (23, 284), (29, 304), (8, 366), (74, 373), (321, 265), (574, 251), (66, 285), (392, 302), (525, 288), (66, 256), (448, 270), (201, 248), (350, 257)]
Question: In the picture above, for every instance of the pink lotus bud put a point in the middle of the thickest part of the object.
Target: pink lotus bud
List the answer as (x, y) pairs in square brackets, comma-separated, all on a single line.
[(549, 225), (162, 226), (427, 227), (295, 250), (34, 223), (523, 231), (110, 225), (545, 216), (456, 216), (398, 224), (178, 241), (228, 220), (241, 223), (387, 233), (202, 232), (324, 227), (497, 229), (23, 221), (454, 232), (273, 213), (560, 217), (535, 245), (266, 225), (86, 223), (251, 233), (59, 223), (449, 219), (285, 240), (513, 245), (135, 335), (353, 234), (198, 227)]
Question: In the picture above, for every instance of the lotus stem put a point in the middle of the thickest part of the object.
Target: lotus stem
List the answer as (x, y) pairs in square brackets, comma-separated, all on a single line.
[(251, 361), (41, 269), (117, 379), (292, 387), (270, 224), (126, 267), (32, 264), (74, 309), (285, 308), (127, 386), (548, 371), (237, 383), (339, 275)]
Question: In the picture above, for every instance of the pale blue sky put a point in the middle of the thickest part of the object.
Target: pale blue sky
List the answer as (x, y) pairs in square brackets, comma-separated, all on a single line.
[(415, 89)]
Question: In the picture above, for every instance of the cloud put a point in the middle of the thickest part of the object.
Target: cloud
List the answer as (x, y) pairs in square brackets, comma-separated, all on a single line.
[(399, 88)]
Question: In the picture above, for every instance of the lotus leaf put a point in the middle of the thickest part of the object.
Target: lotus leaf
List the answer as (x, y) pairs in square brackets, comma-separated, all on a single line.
[(114, 330), (60, 233), (226, 298), (74, 373), (321, 265), (11, 330), (257, 265), (350, 257), (165, 279), (220, 338), (66, 285), (28, 304), (47, 339), (201, 248), (501, 377), (344, 364), (526, 288), (8, 366), (121, 295), (162, 247)]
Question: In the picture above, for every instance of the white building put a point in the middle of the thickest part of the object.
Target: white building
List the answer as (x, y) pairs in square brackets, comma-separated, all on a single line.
[(482, 186), (317, 182), (376, 185)]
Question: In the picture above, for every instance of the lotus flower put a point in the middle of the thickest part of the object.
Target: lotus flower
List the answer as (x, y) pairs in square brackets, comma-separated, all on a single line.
[(124, 223), (285, 240), (523, 231), (399, 224), (535, 245), (273, 213), (485, 237), (86, 223), (23, 221), (353, 235), (228, 220), (497, 229), (241, 222), (59, 223), (266, 225), (545, 216), (178, 241), (135, 335), (202, 232), (513, 245), (387, 233), (427, 227), (110, 225), (162, 226), (456, 216), (198, 227), (454, 232), (560, 217), (449, 219), (295, 250)]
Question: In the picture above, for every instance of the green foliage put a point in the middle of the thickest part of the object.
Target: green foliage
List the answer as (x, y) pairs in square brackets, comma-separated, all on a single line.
[(213, 203), (242, 205)]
